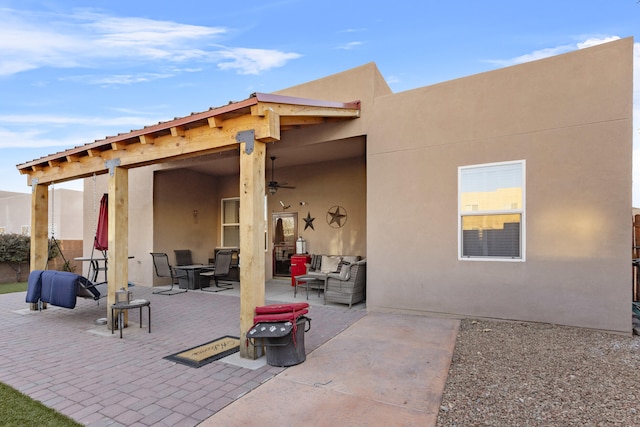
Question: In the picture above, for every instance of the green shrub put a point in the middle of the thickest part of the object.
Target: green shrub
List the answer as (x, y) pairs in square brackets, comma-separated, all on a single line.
[(15, 250)]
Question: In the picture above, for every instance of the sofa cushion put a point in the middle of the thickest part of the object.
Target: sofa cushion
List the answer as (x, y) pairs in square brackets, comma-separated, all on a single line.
[(330, 264), (316, 261), (344, 274)]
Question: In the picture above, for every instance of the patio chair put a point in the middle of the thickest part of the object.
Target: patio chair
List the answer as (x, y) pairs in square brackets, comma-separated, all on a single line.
[(183, 257), (221, 269), (348, 288), (164, 269)]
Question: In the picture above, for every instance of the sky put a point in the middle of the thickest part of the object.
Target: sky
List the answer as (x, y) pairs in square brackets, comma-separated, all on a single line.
[(76, 71)]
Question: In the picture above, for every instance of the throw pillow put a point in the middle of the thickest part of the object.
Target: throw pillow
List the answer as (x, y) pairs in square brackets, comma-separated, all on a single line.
[(329, 264)]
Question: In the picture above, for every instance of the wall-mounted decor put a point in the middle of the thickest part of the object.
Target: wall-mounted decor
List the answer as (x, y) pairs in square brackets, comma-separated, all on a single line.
[(336, 216), (308, 221)]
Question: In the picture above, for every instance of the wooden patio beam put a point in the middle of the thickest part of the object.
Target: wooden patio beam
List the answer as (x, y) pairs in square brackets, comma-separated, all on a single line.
[(289, 110), (197, 141)]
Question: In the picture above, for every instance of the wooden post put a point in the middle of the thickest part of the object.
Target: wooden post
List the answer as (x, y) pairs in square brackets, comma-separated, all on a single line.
[(39, 230), (252, 251), (118, 232)]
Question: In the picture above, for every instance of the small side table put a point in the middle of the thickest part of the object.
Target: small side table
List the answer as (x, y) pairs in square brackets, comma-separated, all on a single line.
[(299, 280), (128, 306)]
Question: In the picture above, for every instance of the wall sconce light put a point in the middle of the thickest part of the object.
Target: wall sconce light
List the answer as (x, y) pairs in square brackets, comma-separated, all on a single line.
[(303, 203), (195, 212), (284, 207)]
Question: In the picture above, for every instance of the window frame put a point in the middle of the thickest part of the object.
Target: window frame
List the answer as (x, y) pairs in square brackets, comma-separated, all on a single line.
[(521, 212), (230, 224)]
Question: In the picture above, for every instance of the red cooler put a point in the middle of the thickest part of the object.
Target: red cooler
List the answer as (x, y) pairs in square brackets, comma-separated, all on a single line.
[(298, 267)]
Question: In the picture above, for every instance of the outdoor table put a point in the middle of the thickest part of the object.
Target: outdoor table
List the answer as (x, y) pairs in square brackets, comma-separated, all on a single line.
[(307, 279), (193, 275), (122, 306)]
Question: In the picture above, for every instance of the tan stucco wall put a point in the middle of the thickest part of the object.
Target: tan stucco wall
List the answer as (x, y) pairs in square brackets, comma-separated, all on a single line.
[(177, 192), (364, 84), (569, 118), (321, 186), (177, 195)]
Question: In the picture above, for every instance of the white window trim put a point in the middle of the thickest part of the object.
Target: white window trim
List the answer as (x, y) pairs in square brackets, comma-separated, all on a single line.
[(523, 228), (222, 223)]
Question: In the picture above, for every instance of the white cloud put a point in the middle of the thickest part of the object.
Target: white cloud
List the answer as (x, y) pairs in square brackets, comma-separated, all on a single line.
[(86, 39), (552, 51), (42, 119), (533, 56), (353, 30), (350, 45), (253, 61), (119, 79), (392, 80), (596, 41), (35, 139), (41, 130)]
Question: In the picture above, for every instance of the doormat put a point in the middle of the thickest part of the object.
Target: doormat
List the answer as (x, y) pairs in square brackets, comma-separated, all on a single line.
[(208, 352)]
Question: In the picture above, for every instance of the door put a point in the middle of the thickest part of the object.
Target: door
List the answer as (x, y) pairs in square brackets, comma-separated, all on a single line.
[(285, 231)]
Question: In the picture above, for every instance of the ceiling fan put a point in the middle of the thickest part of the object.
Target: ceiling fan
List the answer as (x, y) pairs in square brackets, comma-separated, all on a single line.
[(273, 185)]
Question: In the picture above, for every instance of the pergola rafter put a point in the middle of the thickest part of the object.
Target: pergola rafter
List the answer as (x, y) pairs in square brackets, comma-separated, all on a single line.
[(195, 135)]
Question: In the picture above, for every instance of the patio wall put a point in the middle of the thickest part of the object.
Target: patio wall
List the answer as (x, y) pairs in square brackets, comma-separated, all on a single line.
[(320, 186), (569, 117)]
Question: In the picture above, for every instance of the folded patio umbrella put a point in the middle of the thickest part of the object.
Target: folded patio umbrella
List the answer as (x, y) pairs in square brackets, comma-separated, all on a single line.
[(101, 242)]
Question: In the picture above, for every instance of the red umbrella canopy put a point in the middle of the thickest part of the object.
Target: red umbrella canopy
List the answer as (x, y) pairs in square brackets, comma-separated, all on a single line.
[(101, 242)]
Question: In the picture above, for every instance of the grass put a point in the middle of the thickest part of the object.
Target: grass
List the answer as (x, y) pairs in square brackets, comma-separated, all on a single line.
[(7, 288), (17, 409)]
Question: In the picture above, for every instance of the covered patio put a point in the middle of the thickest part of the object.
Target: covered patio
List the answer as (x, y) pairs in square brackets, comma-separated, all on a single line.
[(243, 127)]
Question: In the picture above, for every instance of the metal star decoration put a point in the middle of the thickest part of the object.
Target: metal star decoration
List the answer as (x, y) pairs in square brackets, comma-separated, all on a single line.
[(308, 221), (335, 217)]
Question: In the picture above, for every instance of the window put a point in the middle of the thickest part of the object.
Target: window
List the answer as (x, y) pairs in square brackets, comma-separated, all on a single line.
[(231, 223), (491, 211)]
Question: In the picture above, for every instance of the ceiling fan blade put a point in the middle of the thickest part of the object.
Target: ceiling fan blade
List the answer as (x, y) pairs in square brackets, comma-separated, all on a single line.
[(273, 183)]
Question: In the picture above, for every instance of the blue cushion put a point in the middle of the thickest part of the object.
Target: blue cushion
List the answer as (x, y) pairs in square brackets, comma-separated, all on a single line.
[(59, 288), (34, 286)]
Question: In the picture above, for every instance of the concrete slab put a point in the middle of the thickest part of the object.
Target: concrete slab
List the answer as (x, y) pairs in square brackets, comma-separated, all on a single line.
[(236, 360), (385, 369)]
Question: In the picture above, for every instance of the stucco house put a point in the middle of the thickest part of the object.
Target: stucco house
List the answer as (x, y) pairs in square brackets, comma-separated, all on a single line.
[(65, 213), (65, 224), (504, 195)]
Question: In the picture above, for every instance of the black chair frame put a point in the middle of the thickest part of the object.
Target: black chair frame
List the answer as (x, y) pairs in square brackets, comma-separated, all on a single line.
[(164, 269)]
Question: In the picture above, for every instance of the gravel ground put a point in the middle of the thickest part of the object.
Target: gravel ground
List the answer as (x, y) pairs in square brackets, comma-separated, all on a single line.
[(526, 374)]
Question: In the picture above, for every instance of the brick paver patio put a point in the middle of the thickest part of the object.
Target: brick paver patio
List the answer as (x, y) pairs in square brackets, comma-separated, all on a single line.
[(63, 359)]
